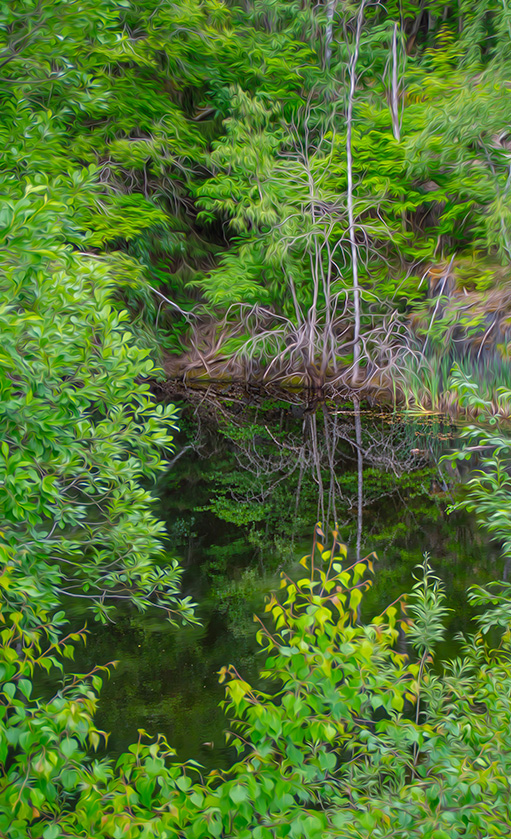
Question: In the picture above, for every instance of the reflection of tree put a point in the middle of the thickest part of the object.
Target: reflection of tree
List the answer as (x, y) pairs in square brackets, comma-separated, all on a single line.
[(288, 459), (360, 474)]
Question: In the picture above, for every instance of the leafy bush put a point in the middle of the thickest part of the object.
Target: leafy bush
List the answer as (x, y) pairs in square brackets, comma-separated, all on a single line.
[(353, 737), (79, 426)]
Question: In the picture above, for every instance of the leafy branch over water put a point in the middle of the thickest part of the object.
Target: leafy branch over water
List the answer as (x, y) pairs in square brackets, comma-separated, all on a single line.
[(334, 747)]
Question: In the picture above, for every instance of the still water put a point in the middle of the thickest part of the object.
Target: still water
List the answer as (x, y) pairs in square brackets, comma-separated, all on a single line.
[(248, 480)]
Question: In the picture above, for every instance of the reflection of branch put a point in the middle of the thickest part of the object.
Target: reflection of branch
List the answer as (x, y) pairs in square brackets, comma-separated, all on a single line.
[(316, 453), (178, 455)]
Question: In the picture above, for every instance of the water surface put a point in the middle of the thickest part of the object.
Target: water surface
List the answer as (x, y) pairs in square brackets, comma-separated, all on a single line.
[(248, 481)]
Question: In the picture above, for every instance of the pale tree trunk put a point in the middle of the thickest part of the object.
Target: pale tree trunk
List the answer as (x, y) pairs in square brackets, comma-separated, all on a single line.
[(331, 448), (351, 222), (360, 474), (317, 465), (354, 260), (394, 94), (318, 278), (331, 6)]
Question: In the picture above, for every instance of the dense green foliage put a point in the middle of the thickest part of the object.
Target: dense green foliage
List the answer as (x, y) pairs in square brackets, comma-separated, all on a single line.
[(78, 433), (311, 192), (305, 184)]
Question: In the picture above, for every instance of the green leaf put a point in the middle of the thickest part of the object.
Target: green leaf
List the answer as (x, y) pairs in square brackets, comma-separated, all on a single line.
[(238, 793)]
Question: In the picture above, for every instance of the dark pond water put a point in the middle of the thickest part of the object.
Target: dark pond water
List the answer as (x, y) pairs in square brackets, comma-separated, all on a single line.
[(249, 480)]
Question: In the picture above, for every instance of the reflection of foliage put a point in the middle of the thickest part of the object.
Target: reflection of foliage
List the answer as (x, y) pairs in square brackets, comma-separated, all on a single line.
[(181, 530), (379, 484), (235, 598), (235, 511), (276, 459), (221, 556)]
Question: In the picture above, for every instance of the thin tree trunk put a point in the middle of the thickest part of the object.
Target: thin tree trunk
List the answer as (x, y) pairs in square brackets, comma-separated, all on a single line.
[(317, 465), (330, 445), (415, 28), (329, 31), (351, 222), (394, 102), (360, 474), (315, 264)]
